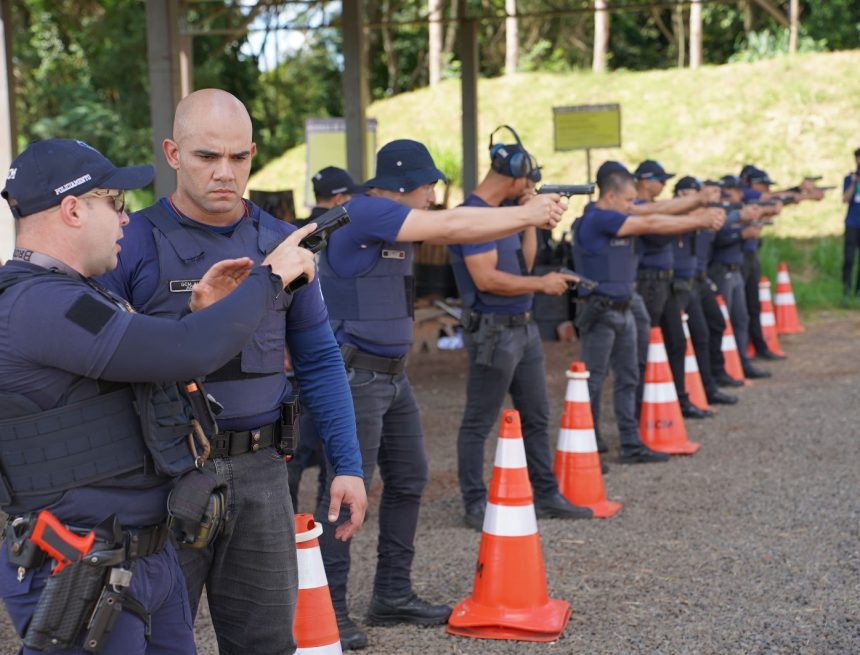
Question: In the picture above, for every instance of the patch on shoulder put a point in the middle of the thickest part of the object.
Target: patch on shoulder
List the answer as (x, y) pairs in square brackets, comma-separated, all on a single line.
[(90, 313)]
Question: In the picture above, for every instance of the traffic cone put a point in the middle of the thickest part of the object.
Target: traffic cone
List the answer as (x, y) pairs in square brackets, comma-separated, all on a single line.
[(768, 320), (661, 422), (314, 626), (784, 305), (509, 597), (692, 377), (577, 463), (730, 346)]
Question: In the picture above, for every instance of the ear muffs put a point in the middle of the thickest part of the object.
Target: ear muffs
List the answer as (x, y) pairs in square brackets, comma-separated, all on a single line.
[(512, 164)]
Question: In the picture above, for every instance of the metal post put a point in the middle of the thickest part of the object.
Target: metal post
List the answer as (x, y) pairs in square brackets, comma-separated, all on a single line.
[(163, 87), (8, 147), (468, 36), (355, 89)]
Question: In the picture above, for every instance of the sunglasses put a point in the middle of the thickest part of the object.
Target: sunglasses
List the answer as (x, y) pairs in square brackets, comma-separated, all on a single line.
[(118, 198)]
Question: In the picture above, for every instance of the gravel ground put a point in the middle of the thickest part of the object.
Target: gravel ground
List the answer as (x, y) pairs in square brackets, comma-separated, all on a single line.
[(750, 546)]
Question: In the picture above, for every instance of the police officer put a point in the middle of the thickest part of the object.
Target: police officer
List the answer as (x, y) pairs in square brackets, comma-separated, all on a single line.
[(692, 253), (333, 187), (851, 197), (502, 340), (656, 282), (725, 267), (604, 250), (80, 370), (366, 277), (170, 244)]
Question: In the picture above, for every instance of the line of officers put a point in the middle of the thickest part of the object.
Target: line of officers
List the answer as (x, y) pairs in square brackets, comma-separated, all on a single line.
[(145, 410)]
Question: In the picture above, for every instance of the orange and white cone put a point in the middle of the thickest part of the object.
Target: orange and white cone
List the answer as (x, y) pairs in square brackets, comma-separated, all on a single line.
[(730, 346), (661, 422), (577, 463), (315, 625), (768, 319), (692, 377), (509, 597), (785, 308)]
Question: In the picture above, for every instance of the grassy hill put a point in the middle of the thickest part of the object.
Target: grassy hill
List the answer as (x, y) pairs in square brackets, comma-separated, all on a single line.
[(794, 116)]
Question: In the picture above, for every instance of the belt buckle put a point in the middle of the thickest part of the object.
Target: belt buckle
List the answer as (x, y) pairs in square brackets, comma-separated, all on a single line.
[(255, 440)]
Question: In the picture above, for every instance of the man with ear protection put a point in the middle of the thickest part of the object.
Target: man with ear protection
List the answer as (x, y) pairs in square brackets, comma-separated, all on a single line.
[(502, 339)]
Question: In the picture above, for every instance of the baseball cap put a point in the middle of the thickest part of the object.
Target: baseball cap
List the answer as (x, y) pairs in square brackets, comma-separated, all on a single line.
[(332, 180), (607, 168), (730, 182), (758, 176), (48, 171), (688, 182), (651, 170), (404, 165)]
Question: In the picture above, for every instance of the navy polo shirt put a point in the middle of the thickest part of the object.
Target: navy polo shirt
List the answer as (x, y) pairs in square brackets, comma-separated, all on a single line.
[(852, 216), (509, 304)]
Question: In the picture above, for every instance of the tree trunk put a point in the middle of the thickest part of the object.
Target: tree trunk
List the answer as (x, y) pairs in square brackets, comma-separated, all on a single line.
[(794, 19), (512, 42), (696, 34), (601, 36), (435, 54), (388, 47), (680, 34)]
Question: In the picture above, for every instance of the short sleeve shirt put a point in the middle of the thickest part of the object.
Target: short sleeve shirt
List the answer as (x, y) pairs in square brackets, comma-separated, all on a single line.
[(852, 216)]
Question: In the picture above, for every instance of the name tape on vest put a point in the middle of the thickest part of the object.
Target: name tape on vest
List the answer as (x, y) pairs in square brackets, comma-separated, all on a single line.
[(182, 286)]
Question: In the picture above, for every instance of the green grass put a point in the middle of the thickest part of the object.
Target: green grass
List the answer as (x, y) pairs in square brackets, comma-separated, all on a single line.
[(794, 116)]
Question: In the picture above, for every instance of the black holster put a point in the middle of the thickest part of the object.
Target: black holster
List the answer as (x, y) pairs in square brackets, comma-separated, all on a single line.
[(197, 508), (485, 338), (289, 439)]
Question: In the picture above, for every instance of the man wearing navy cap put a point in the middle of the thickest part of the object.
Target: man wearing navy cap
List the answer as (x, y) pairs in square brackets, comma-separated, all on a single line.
[(604, 250), (85, 394), (366, 277), (333, 187), (664, 297), (851, 197), (250, 570), (503, 342)]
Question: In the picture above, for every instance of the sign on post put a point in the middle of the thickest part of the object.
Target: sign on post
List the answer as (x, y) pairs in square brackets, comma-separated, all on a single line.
[(326, 146), (583, 127)]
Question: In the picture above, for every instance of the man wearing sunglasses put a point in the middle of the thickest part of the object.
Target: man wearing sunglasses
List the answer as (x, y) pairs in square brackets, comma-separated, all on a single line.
[(503, 342), (81, 376), (250, 569)]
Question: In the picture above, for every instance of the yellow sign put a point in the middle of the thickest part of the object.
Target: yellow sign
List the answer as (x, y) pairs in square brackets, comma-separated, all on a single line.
[(326, 146), (587, 126)]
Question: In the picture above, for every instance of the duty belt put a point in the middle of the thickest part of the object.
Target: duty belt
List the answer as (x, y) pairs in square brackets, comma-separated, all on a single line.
[(230, 443), (728, 267), (608, 303), (511, 320), (355, 358), (655, 274)]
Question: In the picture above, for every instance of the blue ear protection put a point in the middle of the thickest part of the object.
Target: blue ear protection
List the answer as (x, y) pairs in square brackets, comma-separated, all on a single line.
[(512, 164)]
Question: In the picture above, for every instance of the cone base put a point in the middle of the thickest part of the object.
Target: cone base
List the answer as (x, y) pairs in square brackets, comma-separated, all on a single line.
[(605, 509), (795, 330), (683, 448), (545, 623)]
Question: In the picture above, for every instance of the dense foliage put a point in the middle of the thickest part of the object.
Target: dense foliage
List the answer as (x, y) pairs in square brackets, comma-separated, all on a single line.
[(81, 68)]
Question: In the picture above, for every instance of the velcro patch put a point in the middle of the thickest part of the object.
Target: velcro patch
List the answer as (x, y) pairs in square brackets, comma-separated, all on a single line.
[(90, 313), (182, 286)]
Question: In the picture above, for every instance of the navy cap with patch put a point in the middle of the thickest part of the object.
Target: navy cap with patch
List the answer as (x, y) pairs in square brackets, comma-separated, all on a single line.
[(404, 165), (651, 170), (730, 182), (688, 182), (332, 180), (758, 176), (48, 171)]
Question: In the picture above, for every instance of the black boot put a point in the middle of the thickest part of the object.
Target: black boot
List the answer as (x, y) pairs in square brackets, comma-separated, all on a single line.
[(351, 636), (408, 609), (558, 507), (720, 398), (640, 455), (689, 410), (474, 517), (726, 380)]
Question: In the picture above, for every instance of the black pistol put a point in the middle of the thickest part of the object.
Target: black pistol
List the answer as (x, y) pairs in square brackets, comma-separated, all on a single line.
[(335, 218), (581, 281), (568, 190)]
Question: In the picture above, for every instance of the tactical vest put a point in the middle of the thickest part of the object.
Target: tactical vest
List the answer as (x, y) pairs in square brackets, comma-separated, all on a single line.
[(613, 266), (510, 260), (704, 248), (727, 246), (684, 255), (185, 253), (377, 305), (655, 252), (99, 431)]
